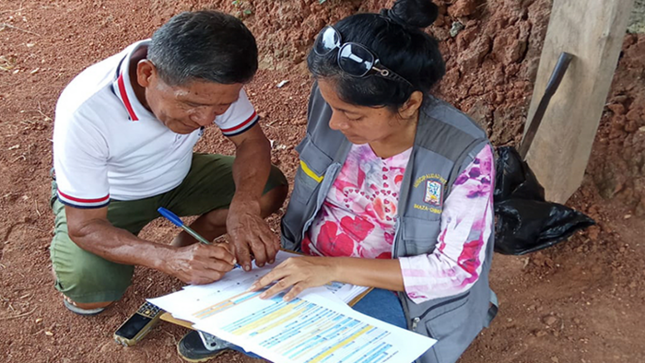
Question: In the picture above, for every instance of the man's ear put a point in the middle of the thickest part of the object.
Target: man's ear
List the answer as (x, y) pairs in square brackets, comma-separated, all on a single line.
[(146, 72), (411, 106)]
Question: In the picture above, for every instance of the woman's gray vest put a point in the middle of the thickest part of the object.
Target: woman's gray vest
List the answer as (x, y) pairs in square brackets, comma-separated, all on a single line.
[(446, 142)]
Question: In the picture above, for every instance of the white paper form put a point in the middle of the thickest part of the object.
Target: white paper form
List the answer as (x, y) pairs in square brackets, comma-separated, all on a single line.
[(311, 330), (345, 292), (316, 327), (192, 298)]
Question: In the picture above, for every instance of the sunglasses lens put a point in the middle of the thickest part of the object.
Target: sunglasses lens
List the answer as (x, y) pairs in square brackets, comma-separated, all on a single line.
[(327, 40), (355, 59)]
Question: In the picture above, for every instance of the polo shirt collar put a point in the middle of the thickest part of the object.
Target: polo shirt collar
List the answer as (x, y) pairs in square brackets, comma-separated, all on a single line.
[(122, 85)]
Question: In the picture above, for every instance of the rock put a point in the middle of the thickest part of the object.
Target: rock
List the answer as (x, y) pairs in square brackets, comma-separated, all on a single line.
[(298, 57), (508, 47), (550, 320), (456, 28), (472, 58), (462, 8), (617, 108), (631, 126), (540, 333), (634, 114), (481, 112)]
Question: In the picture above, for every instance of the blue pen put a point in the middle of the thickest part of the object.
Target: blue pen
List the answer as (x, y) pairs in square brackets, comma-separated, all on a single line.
[(177, 222)]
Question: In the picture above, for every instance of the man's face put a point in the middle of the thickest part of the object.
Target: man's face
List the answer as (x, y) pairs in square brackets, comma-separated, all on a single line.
[(186, 108)]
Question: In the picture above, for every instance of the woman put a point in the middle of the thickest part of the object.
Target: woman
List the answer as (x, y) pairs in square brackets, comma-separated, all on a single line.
[(395, 188)]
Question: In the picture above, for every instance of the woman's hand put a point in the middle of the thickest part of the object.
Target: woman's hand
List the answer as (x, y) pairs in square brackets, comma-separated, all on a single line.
[(297, 273)]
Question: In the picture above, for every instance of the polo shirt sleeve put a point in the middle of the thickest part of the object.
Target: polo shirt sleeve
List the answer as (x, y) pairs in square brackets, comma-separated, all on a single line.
[(240, 117), (80, 162)]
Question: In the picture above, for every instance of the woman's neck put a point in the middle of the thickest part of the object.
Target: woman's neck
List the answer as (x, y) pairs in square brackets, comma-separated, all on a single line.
[(398, 142)]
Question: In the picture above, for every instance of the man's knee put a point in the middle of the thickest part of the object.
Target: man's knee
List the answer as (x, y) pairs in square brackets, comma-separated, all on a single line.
[(275, 192), (86, 278)]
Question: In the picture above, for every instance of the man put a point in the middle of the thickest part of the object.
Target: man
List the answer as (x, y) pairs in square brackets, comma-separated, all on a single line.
[(123, 139)]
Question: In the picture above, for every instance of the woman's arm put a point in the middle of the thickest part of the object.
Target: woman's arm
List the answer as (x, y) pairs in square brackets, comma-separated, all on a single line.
[(466, 225), (453, 267), (300, 273)]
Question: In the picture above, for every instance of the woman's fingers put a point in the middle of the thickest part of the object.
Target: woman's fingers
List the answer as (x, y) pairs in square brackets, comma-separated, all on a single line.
[(279, 286), (293, 276), (276, 274), (295, 291)]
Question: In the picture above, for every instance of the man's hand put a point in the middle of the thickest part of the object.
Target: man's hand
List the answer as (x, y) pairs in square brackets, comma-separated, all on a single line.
[(200, 264), (298, 274), (250, 234)]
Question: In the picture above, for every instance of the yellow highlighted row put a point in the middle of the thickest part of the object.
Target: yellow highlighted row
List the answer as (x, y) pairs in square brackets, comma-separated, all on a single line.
[(342, 344)]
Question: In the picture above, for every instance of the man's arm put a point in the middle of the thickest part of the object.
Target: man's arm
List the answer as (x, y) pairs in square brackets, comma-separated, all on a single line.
[(248, 231), (196, 264)]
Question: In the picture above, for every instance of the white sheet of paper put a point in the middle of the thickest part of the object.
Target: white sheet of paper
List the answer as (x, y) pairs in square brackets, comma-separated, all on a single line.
[(317, 326), (310, 329)]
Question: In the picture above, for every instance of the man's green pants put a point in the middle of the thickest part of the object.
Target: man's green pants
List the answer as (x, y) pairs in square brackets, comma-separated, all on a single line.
[(86, 278)]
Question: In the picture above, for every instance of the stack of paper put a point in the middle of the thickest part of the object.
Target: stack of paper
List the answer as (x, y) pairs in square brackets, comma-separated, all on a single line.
[(315, 327)]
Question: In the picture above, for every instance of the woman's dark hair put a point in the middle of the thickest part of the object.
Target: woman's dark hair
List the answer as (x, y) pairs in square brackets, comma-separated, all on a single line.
[(397, 38), (204, 45)]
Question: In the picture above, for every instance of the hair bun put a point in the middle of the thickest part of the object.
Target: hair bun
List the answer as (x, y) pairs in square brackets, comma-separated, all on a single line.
[(414, 13)]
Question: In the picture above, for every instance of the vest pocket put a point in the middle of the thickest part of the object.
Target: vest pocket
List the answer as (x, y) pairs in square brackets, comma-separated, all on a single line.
[(447, 323), (420, 235), (313, 165), (304, 187)]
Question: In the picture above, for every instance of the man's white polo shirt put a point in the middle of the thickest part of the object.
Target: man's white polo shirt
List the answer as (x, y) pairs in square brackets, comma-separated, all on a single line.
[(108, 146)]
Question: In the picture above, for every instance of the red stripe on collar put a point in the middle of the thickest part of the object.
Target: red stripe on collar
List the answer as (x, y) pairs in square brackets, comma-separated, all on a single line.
[(126, 100)]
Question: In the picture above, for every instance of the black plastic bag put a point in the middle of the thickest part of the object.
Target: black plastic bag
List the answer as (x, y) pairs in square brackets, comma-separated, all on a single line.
[(525, 221)]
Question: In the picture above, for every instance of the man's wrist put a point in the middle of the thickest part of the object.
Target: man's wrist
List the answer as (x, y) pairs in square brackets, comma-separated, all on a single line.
[(158, 257), (249, 204)]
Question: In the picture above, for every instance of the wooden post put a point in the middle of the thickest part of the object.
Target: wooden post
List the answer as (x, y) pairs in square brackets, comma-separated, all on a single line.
[(593, 31)]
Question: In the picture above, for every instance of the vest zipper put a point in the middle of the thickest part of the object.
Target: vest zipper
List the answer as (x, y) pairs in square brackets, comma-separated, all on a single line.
[(415, 322)]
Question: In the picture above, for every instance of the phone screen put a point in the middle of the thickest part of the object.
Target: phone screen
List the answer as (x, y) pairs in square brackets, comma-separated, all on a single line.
[(133, 326)]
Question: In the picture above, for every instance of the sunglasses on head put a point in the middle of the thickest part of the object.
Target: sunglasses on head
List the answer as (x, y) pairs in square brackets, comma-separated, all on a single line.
[(353, 58)]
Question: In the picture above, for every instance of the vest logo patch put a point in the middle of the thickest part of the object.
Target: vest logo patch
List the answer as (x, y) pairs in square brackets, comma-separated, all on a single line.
[(434, 191)]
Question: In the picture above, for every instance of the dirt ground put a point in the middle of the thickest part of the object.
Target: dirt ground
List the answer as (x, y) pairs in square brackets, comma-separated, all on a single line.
[(580, 301)]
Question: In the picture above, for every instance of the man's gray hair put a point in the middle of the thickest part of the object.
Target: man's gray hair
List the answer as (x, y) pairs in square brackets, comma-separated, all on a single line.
[(206, 46)]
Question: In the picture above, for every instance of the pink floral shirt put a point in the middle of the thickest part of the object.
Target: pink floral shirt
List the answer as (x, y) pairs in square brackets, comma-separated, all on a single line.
[(359, 215)]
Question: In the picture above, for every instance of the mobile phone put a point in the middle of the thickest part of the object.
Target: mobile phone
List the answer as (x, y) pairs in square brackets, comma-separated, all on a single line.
[(138, 325)]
